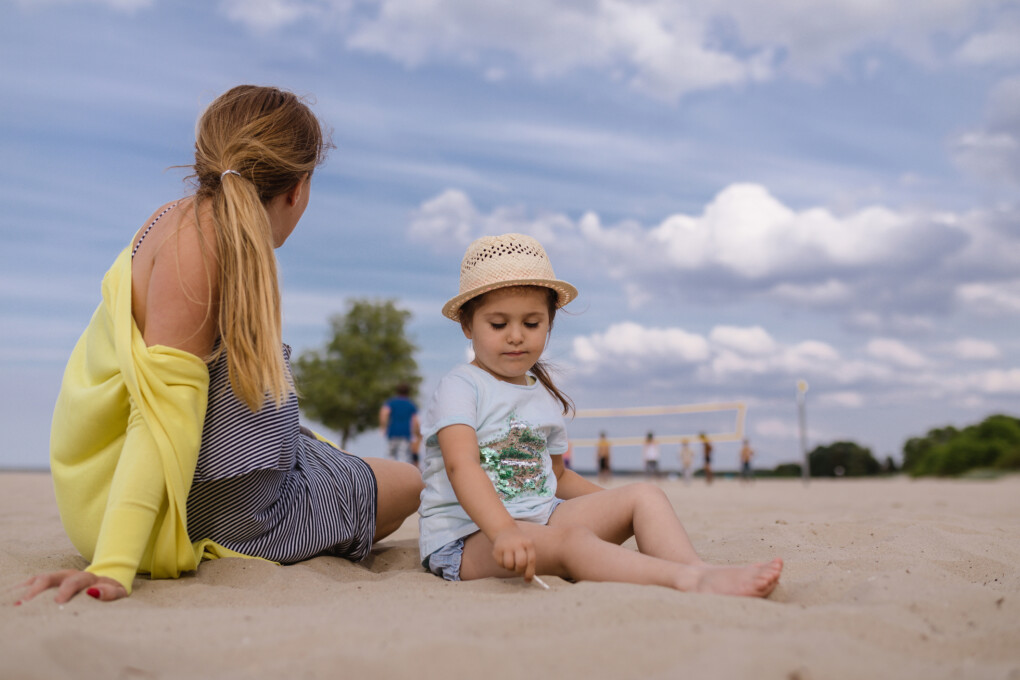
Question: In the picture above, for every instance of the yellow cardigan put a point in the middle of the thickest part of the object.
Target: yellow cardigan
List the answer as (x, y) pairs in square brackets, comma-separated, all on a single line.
[(124, 444)]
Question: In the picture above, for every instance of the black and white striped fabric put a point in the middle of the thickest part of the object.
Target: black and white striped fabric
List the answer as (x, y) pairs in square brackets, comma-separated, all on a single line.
[(263, 488)]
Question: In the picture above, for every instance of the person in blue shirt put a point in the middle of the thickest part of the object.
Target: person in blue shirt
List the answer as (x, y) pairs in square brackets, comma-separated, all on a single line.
[(398, 421)]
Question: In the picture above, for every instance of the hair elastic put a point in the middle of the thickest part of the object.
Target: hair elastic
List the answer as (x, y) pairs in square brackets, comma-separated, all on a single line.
[(229, 172)]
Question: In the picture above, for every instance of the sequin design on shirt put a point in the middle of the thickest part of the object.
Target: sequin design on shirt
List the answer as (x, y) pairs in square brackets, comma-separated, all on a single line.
[(515, 462)]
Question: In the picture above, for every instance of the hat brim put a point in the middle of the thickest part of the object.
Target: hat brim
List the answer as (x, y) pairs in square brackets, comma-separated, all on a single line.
[(565, 292)]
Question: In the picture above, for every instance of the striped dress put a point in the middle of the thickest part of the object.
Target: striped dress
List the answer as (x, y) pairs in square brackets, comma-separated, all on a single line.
[(264, 488)]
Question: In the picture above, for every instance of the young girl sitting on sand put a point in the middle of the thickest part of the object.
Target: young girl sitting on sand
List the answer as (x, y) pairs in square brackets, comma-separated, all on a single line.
[(498, 500)]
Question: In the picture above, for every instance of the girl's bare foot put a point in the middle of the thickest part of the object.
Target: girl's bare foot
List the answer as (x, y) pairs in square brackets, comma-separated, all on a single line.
[(754, 580)]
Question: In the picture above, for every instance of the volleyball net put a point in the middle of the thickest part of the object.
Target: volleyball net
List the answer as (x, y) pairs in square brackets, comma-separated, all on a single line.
[(732, 430)]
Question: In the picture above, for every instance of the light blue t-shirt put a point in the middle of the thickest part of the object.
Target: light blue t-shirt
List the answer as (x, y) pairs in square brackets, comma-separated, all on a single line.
[(518, 427)]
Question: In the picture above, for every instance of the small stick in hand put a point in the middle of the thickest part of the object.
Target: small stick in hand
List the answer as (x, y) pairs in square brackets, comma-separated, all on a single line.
[(540, 582)]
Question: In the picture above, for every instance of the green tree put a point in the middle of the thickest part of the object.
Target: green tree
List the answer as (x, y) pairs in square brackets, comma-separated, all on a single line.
[(344, 384), (992, 443), (842, 459), (918, 448), (788, 470)]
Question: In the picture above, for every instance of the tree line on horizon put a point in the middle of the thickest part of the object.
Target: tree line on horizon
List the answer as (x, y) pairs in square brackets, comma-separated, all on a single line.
[(993, 445)]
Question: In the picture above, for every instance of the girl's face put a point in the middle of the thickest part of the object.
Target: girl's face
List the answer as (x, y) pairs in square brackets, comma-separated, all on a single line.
[(508, 332)]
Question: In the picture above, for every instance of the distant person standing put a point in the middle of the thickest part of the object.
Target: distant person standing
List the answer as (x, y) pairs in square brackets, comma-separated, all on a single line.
[(746, 453), (398, 421), (707, 446), (650, 454), (602, 455), (686, 460)]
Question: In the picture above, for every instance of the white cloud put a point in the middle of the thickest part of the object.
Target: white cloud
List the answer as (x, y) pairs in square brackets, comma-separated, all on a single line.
[(889, 273), (817, 42), (829, 292), (998, 46), (266, 15), (993, 151), (988, 154), (871, 322), (754, 340), (747, 231), (661, 48), (990, 298), (971, 349), (999, 381), (632, 343), (744, 233), (730, 355), (450, 216), (894, 351)]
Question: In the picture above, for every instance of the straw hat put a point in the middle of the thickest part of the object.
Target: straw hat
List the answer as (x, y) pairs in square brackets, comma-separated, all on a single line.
[(493, 262)]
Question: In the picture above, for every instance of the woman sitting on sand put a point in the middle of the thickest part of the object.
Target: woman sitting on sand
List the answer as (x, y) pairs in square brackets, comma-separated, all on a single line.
[(176, 435)]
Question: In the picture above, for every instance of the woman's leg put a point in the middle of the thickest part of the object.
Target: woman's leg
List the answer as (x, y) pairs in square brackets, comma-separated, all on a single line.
[(576, 552), (399, 486), (640, 510)]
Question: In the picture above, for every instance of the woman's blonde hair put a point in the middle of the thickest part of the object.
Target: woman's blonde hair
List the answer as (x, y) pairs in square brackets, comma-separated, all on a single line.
[(272, 141)]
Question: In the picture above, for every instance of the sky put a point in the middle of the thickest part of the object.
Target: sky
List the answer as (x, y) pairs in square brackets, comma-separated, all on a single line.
[(746, 194)]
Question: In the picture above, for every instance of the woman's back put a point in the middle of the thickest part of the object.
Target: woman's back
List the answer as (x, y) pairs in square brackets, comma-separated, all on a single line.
[(173, 266)]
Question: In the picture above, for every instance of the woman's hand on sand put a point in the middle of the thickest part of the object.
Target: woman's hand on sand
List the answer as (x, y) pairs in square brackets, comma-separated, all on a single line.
[(69, 583), (515, 552)]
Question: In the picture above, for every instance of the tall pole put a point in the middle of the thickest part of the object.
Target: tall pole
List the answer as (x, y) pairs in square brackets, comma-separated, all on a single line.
[(802, 388)]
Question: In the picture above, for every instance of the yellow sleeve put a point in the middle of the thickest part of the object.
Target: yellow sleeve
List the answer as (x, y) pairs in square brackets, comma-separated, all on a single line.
[(137, 494)]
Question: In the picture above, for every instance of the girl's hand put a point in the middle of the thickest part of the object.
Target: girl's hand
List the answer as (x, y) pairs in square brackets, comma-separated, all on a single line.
[(69, 583), (515, 552)]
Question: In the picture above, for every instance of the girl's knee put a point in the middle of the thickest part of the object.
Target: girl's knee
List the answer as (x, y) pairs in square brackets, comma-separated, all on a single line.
[(645, 491)]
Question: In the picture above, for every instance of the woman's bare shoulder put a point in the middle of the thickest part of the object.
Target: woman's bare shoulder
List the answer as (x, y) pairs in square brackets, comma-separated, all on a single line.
[(175, 277)]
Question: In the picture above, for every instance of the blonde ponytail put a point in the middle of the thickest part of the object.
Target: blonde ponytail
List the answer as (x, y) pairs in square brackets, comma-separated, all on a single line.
[(251, 145)]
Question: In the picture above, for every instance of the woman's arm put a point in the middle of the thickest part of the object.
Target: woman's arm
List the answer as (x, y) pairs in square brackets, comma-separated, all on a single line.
[(136, 494), (511, 549)]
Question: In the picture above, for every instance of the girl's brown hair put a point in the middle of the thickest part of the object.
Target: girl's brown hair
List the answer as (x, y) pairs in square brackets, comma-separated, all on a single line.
[(273, 141), (540, 369)]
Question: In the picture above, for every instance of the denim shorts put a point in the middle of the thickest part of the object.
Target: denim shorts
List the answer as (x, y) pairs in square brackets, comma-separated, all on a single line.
[(446, 561)]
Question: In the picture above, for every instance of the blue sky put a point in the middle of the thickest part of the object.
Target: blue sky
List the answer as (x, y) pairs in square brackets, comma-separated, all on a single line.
[(746, 194)]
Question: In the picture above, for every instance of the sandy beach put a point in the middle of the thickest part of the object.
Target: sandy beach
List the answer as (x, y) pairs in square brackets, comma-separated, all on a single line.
[(887, 578)]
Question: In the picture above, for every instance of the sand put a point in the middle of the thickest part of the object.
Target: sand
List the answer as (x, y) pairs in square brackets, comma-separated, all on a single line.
[(884, 578)]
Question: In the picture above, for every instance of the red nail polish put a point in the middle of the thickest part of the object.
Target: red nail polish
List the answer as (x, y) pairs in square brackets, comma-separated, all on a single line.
[(93, 592)]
